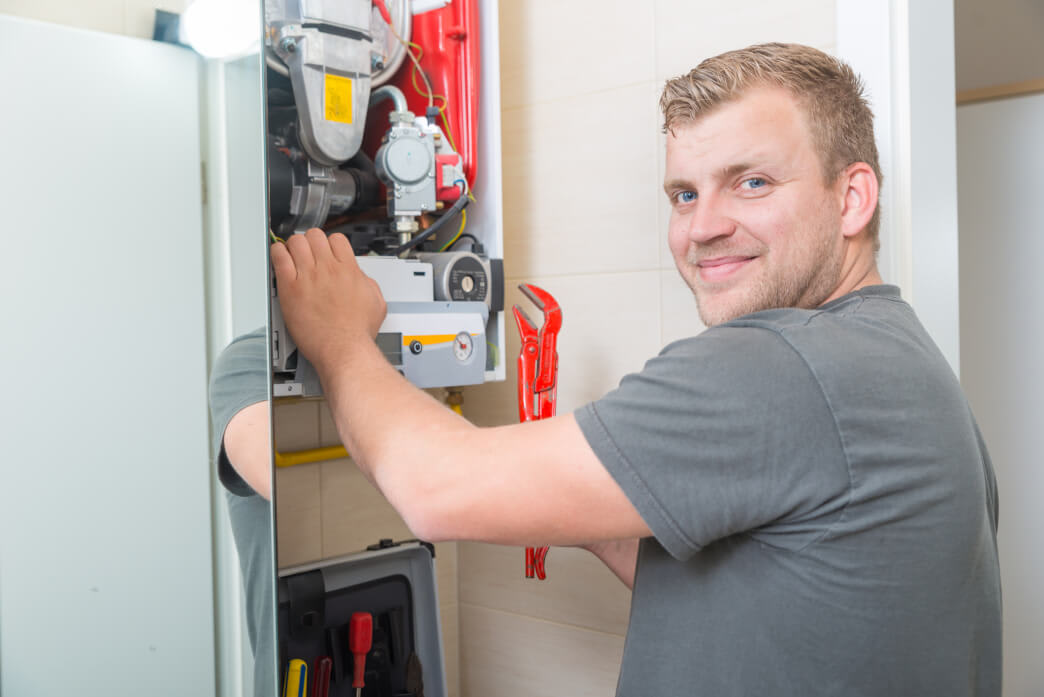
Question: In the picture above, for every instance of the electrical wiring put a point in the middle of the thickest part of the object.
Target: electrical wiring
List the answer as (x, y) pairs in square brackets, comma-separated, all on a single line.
[(463, 214), (430, 93), (453, 240), (415, 58), (274, 237), (474, 240)]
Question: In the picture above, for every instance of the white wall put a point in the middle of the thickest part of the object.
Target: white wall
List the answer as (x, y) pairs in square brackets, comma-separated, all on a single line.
[(1001, 163), (905, 52)]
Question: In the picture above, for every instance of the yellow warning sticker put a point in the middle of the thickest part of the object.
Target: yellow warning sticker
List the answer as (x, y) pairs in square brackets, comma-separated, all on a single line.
[(338, 98)]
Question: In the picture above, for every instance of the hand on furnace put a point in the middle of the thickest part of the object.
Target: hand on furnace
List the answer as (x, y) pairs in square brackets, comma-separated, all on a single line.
[(327, 301)]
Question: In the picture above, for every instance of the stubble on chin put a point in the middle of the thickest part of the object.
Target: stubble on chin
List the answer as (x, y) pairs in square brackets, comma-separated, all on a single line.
[(805, 287), (724, 306)]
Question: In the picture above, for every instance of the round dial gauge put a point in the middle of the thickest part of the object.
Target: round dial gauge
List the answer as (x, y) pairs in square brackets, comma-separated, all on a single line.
[(463, 345)]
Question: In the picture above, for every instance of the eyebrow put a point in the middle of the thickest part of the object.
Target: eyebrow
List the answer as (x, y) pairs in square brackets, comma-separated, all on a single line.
[(725, 173), (732, 170)]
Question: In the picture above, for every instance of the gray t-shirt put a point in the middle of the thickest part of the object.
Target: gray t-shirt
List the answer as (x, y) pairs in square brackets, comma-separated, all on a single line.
[(824, 510), (239, 379)]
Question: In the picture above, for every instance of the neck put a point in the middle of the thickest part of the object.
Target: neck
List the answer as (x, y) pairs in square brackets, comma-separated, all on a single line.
[(858, 271)]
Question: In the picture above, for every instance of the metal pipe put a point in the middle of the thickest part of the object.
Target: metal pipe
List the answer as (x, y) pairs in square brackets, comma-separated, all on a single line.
[(389, 92), (273, 62)]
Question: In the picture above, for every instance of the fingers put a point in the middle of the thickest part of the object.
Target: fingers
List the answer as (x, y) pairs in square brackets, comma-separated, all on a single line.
[(341, 247), (301, 251), (282, 263), (319, 244)]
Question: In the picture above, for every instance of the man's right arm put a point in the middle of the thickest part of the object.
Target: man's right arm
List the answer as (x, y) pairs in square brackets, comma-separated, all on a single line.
[(621, 556)]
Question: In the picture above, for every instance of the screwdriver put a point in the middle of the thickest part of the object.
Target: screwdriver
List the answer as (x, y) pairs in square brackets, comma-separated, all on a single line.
[(360, 639), (296, 682), (321, 681)]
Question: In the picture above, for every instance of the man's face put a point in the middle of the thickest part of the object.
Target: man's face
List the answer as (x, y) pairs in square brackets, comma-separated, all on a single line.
[(753, 225)]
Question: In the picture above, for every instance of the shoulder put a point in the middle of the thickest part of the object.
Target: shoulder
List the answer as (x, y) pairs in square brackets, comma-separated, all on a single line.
[(749, 346), (239, 376), (246, 347)]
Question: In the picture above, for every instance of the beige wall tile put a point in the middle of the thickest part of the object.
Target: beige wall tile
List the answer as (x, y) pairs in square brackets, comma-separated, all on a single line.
[(579, 590), (354, 513), (449, 616), (551, 49), (296, 425), (297, 487), (298, 525), (298, 536), (679, 318), (327, 429), (663, 206), (446, 568), (510, 655), (578, 179), (100, 15), (687, 31)]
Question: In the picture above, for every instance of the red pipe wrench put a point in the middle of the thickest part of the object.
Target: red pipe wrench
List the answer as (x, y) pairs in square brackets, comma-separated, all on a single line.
[(537, 379)]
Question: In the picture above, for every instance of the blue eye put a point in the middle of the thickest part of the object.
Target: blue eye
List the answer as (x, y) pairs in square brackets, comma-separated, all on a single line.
[(755, 182), (685, 196)]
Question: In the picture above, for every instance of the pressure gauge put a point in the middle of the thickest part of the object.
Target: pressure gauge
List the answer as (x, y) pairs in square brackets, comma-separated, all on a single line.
[(463, 346)]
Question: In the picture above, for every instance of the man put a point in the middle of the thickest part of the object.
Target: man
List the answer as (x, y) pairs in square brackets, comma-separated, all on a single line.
[(799, 495)]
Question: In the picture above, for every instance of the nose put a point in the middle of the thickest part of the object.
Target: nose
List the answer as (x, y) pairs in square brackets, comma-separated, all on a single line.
[(709, 220)]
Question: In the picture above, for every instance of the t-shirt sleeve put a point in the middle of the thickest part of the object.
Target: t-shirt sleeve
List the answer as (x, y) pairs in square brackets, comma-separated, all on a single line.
[(724, 433), (239, 379)]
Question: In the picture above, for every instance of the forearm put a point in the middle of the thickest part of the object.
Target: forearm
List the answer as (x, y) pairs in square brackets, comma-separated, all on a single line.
[(621, 556), (407, 443), (519, 484)]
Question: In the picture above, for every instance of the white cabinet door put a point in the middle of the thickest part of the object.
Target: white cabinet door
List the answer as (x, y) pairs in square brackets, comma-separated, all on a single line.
[(105, 533)]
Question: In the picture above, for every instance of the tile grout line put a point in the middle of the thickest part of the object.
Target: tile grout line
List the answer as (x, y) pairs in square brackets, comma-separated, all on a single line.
[(539, 619), (573, 96)]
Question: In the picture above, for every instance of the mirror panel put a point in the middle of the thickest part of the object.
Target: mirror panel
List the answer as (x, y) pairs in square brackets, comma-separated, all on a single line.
[(137, 203)]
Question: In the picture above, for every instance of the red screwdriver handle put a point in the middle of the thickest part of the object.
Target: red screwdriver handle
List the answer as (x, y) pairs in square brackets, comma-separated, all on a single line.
[(360, 639)]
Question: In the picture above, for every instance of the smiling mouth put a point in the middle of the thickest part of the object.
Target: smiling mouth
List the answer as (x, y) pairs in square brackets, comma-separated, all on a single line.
[(721, 268)]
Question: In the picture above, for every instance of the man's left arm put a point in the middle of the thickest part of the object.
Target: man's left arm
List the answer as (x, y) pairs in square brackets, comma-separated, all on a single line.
[(531, 483)]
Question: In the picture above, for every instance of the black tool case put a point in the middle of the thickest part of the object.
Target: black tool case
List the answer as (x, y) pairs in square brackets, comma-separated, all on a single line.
[(393, 582)]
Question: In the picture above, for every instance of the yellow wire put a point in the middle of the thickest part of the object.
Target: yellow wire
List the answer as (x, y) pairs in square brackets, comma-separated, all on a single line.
[(274, 237), (416, 61), (463, 222), (430, 94)]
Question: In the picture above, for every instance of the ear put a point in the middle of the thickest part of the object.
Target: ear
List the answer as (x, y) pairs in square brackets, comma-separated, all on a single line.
[(857, 186)]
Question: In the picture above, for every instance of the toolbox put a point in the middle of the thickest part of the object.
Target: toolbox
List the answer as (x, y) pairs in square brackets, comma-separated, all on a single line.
[(395, 584)]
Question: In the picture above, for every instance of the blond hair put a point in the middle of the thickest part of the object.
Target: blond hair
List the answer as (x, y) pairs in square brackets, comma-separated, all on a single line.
[(827, 89)]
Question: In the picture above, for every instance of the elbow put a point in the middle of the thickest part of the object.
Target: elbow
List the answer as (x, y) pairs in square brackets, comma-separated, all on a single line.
[(424, 507), (426, 526)]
